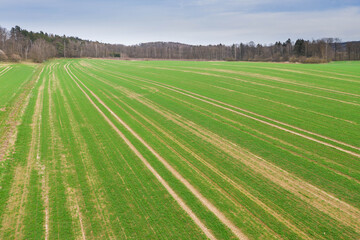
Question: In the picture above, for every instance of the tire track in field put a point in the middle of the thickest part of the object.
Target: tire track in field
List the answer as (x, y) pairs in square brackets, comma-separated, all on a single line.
[(56, 144), (251, 82), (316, 197), (13, 119), (14, 216), (73, 197), (216, 171), (42, 167), (305, 73), (101, 200), (251, 95), (335, 73), (178, 99), (131, 198), (247, 81), (97, 192), (258, 115), (231, 108), (5, 70), (275, 79), (284, 104), (315, 75), (131, 95), (267, 136), (179, 200)]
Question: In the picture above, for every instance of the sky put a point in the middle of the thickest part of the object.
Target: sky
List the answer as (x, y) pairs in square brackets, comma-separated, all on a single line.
[(192, 22)]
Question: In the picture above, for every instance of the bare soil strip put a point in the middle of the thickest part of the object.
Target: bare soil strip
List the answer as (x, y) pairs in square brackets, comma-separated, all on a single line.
[(5, 71), (209, 205), (211, 102)]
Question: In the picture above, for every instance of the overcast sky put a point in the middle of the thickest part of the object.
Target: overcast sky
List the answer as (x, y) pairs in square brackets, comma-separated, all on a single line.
[(193, 22)]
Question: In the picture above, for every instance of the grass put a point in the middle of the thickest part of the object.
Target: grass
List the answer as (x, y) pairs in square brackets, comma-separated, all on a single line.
[(273, 147)]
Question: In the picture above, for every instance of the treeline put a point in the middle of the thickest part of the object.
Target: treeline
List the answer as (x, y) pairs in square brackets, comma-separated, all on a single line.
[(20, 44)]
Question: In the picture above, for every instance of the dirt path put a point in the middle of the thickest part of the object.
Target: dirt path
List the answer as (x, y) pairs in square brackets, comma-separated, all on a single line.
[(209, 205)]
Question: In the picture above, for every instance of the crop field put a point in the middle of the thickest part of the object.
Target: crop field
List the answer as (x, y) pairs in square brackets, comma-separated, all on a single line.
[(106, 149)]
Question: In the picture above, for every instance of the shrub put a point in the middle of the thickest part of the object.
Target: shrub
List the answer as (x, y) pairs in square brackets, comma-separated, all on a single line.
[(3, 56), (15, 58)]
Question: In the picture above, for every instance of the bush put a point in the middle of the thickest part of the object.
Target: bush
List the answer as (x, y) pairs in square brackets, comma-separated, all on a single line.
[(3, 56), (308, 60), (315, 60), (15, 58)]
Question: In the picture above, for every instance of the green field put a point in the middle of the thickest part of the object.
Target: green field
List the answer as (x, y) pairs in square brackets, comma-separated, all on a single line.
[(106, 149)]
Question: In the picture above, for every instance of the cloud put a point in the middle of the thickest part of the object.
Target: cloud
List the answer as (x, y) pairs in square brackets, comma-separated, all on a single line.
[(195, 22)]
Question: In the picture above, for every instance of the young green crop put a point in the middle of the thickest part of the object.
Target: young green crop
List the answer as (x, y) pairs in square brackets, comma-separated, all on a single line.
[(254, 150)]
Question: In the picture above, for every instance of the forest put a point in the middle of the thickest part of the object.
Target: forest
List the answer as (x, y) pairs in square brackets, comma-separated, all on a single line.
[(19, 44)]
